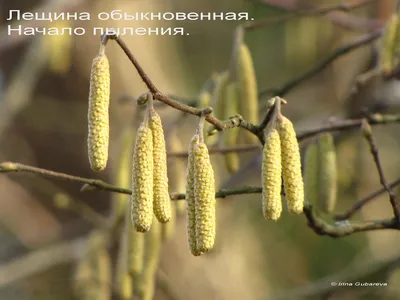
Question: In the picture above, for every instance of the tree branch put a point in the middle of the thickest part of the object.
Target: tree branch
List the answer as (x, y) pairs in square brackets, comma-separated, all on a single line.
[(159, 95), (316, 11), (375, 154), (341, 229), (353, 45)]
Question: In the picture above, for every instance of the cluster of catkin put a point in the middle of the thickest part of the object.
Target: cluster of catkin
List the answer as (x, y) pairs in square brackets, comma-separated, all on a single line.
[(320, 173), (149, 174), (281, 158)]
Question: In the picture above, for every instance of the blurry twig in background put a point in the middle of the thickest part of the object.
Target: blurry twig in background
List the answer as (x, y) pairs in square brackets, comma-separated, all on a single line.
[(353, 45), (15, 97), (336, 13)]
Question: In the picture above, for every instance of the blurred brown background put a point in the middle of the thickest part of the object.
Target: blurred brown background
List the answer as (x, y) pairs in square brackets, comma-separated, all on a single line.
[(43, 122)]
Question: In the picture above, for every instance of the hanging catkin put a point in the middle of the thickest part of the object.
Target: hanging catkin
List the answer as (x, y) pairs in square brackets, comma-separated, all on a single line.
[(247, 81), (146, 281), (204, 192), (291, 166), (135, 251), (142, 180), (98, 119), (311, 176), (176, 170), (93, 274), (168, 229), (123, 171), (123, 279), (218, 95), (272, 176), (230, 137), (327, 173), (161, 200), (389, 46), (190, 197)]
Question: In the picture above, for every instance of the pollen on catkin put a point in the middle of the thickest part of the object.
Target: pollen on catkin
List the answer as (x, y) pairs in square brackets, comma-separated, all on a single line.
[(247, 82), (98, 118), (291, 166), (142, 180), (272, 176), (327, 173), (190, 197), (204, 192), (161, 200), (311, 176)]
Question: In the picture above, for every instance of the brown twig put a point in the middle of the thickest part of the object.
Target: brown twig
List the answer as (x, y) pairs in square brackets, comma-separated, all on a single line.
[(359, 204), (353, 45), (159, 95), (316, 11), (367, 131), (341, 229)]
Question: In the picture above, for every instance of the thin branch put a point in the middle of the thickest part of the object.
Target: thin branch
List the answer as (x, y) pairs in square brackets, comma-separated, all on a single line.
[(361, 203), (317, 11), (341, 229), (159, 95), (353, 45), (375, 154)]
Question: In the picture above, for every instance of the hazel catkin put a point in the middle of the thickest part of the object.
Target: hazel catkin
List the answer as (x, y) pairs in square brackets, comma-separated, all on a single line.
[(190, 197), (98, 119), (247, 82), (390, 40), (161, 200), (142, 180), (291, 166), (204, 192), (327, 173), (272, 176)]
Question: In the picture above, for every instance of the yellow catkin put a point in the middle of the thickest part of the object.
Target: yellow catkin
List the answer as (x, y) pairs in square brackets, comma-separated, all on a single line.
[(98, 118), (58, 48), (218, 95), (93, 274), (230, 137), (135, 251), (142, 180), (311, 176), (190, 197), (123, 280), (204, 192), (161, 200), (176, 170), (291, 167), (122, 175), (146, 282), (247, 81), (272, 176), (327, 173), (389, 43)]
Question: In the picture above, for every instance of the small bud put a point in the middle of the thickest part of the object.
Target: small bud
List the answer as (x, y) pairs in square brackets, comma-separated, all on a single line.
[(98, 118), (291, 166), (272, 177), (87, 188), (7, 167), (142, 99), (366, 128)]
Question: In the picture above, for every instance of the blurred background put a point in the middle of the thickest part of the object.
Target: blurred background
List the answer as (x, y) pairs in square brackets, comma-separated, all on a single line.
[(44, 84)]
